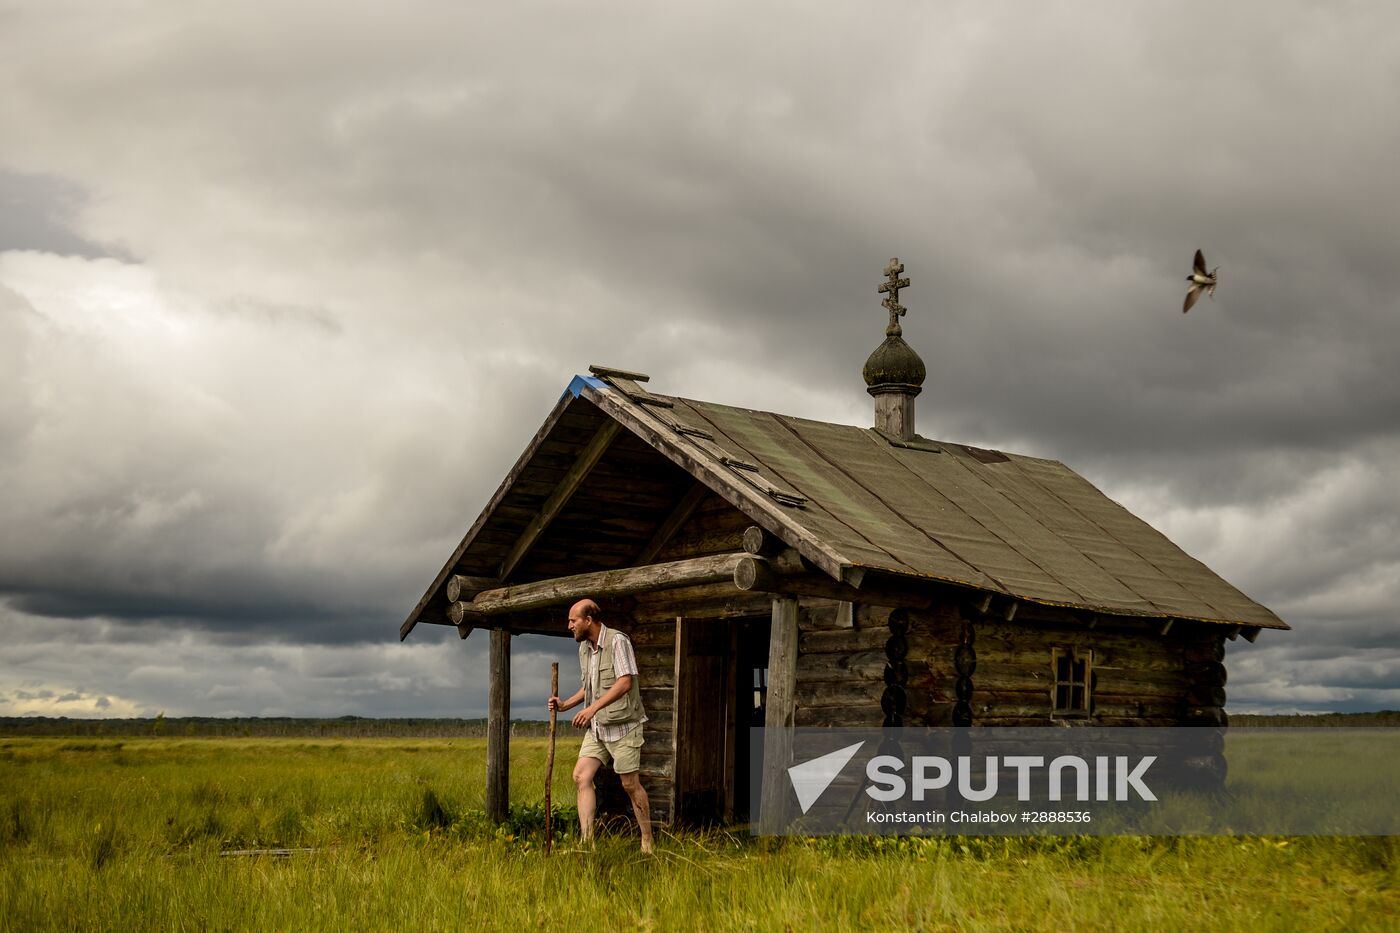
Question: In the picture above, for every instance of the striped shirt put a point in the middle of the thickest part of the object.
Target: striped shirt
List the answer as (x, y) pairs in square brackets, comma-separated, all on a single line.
[(624, 662)]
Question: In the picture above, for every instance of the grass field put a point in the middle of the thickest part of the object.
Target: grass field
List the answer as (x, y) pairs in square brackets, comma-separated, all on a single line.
[(133, 834)]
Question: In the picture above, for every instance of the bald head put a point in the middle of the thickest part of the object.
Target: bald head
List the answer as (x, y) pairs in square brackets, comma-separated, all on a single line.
[(584, 621)]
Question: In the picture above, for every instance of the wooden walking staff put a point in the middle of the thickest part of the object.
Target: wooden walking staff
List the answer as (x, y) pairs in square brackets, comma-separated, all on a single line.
[(549, 763)]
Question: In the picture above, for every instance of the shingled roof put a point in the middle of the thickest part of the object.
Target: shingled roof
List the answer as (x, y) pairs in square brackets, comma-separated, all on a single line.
[(855, 501)]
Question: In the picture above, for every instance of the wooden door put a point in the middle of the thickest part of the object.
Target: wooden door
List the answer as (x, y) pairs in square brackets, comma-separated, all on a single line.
[(704, 720)]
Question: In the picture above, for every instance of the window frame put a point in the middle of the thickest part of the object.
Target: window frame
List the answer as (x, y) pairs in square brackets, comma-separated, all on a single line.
[(1081, 682)]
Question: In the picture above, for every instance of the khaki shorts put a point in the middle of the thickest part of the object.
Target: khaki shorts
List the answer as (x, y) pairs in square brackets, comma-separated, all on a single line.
[(625, 754)]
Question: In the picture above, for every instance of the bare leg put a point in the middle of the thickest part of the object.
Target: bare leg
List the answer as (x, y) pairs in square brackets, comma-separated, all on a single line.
[(641, 807), (584, 772)]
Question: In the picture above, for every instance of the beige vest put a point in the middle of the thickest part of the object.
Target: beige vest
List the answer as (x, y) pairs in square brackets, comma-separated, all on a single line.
[(626, 708)]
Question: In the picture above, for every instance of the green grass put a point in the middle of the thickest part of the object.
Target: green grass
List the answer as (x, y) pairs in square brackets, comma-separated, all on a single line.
[(128, 834)]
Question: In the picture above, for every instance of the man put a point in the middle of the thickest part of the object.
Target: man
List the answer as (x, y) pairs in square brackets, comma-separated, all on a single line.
[(613, 715)]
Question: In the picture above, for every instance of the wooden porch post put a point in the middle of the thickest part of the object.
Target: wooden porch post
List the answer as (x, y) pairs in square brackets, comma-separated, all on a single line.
[(778, 718), (498, 729)]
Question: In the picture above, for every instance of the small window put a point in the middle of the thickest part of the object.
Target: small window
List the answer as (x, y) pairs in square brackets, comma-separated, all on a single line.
[(1074, 673)]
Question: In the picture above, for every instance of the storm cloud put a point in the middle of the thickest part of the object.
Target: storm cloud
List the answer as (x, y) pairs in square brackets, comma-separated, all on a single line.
[(285, 290)]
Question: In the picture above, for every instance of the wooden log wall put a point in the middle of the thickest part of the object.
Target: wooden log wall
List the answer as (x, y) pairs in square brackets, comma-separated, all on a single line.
[(654, 644), (840, 667), (954, 666), (714, 527), (1001, 670)]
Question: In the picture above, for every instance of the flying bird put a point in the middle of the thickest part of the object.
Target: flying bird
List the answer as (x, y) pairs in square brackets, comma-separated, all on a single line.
[(1201, 281)]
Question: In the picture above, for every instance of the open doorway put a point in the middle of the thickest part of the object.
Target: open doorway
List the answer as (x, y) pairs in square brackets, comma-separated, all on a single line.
[(721, 692)]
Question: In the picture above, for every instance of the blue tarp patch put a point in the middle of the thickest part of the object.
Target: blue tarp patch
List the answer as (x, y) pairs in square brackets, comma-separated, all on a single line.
[(576, 386)]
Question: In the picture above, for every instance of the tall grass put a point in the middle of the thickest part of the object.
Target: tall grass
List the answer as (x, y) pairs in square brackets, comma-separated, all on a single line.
[(389, 833)]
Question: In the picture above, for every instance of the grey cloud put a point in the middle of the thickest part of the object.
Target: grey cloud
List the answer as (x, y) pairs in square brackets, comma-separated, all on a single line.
[(378, 255), (37, 213)]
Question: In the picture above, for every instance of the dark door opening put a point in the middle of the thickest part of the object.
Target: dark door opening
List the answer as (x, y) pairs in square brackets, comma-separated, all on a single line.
[(751, 696), (721, 693)]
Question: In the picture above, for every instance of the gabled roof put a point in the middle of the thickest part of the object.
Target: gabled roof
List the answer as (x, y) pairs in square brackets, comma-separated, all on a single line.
[(856, 502)]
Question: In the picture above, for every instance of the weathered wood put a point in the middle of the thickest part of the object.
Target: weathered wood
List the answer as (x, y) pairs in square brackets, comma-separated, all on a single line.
[(1211, 650), (1206, 695), (701, 604), (608, 372), (788, 575), (1139, 707), (1204, 716), (549, 763), (637, 393), (692, 542), (587, 458), (860, 665), (1032, 653), (678, 644), (894, 413), (672, 523), (756, 573), (653, 655), (833, 717), (702, 684), (843, 640), (461, 615), (696, 461), (652, 637), (778, 719), (1207, 672), (459, 586), (678, 573), (659, 677), (994, 676), (1022, 637), (498, 729), (763, 543), (836, 693)]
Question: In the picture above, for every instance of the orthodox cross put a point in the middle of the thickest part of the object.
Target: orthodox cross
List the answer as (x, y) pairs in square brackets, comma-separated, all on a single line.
[(891, 303)]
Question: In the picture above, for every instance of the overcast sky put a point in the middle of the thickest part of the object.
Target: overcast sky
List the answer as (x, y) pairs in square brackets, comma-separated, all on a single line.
[(286, 288)]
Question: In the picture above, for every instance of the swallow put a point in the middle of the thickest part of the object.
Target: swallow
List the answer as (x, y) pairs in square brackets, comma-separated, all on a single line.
[(1201, 281)]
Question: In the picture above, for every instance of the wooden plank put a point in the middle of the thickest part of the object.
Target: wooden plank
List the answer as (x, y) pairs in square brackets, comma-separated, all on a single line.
[(731, 737), (702, 655), (608, 372), (679, 645), (498, 729), (587, 458), (778, 720), (628, 580)]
